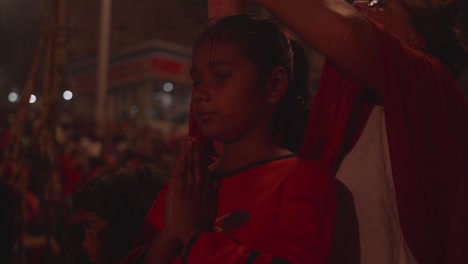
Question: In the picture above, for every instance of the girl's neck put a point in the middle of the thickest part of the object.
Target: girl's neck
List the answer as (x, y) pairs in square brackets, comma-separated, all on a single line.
[(243, 152)]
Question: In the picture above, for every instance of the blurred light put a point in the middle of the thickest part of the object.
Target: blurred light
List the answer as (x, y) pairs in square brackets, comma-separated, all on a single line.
[(164, 99), (133, 110), (67, 95), (168, 87), (32, 99), (12, 97)]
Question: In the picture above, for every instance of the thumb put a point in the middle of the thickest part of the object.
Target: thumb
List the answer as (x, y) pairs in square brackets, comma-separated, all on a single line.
[(215, 194), (216, 186)]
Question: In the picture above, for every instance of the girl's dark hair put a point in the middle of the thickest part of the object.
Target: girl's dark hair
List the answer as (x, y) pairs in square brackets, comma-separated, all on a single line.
[(122, 199), (437, 24), (264, 43)]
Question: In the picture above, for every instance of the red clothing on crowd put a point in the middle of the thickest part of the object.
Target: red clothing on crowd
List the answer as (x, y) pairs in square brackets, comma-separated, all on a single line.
[(71, 176)]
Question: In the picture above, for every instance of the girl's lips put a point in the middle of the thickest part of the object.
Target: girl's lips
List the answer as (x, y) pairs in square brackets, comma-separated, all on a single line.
[(205, 116)]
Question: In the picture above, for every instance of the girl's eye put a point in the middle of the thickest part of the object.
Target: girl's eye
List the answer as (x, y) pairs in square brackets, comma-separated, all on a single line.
[(223, 76), (196, 84)]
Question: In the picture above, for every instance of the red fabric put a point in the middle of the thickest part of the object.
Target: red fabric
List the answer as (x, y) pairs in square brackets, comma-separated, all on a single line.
[(337, 116), (282, 209), (70, 175), (427, 126)]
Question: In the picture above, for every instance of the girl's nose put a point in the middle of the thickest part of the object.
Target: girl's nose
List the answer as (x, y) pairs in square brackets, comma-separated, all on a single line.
[(202, 93)]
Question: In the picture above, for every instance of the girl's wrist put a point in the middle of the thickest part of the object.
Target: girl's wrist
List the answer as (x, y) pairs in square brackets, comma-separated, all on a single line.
[(188, 237), (168, 237), (163, 249)]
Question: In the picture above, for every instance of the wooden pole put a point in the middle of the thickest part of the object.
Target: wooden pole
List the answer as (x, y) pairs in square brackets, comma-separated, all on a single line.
[(14, 149), (50, 58), (103, 64), (52, 195)]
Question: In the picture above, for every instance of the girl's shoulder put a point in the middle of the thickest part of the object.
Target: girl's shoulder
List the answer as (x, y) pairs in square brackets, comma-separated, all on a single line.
[(308, 163), (308, 169)]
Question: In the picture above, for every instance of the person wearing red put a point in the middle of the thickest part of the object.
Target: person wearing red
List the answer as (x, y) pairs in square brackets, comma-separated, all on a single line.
[(390, 121), (259, 202)]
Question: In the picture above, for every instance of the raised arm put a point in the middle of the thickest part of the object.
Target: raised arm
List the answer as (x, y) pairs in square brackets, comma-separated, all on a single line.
[(334, 28)]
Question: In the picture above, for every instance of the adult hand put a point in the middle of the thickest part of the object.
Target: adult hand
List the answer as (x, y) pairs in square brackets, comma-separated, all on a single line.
[(218, 9)]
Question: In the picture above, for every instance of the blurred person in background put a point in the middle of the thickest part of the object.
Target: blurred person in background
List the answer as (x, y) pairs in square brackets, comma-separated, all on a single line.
[(111, 208)]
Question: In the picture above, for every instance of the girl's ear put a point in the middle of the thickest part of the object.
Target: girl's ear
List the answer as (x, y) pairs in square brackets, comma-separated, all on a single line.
[(277, 85)]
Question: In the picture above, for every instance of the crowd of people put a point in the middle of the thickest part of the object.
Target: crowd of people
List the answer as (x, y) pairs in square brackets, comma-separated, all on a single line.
[(84, 158), (372, 169)]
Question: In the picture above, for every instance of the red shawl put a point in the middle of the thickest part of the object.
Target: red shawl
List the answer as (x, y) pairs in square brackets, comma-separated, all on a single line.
[(427, 126)]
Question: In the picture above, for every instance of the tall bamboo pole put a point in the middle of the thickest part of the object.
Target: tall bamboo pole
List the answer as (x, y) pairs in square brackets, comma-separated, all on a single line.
[(103, 64), (53, 188), (14, 149), (18, 156), (50, 58)]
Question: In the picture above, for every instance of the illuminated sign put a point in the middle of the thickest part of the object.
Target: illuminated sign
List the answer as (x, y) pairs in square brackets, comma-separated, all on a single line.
[(154, 65)]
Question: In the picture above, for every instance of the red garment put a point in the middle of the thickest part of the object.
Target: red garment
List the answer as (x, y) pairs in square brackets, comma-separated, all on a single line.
[(71, 176), (426, 117), (281, 209)]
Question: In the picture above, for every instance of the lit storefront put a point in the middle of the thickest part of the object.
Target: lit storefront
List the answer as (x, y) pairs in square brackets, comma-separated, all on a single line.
[(149, 82)]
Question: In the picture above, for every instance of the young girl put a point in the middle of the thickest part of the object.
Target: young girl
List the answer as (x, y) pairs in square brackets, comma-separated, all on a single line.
[(259, 202)]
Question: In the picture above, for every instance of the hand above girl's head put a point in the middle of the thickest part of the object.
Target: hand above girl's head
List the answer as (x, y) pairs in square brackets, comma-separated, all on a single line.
[(218, 9)]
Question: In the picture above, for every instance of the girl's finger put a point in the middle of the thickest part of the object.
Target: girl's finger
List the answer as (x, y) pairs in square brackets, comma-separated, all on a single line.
[(216, 186), (198, 164), (179, 165), (204, 165), (179, 171), (190, 164)]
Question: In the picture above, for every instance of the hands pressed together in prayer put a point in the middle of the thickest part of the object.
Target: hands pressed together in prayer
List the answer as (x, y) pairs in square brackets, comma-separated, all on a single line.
[(190, 204), (191, 200)]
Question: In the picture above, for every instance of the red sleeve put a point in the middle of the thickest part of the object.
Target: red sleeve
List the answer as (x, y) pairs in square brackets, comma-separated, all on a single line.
[(426, 117), (338, 114), (303, 234), (427, 126)]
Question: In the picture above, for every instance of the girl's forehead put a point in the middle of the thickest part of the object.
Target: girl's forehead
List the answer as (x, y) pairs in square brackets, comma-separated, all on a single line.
[(214, 47), (225, 36), (215, 39)]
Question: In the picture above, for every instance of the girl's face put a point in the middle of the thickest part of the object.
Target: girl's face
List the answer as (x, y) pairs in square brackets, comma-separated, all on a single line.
[(228, 100), (93, 225)]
